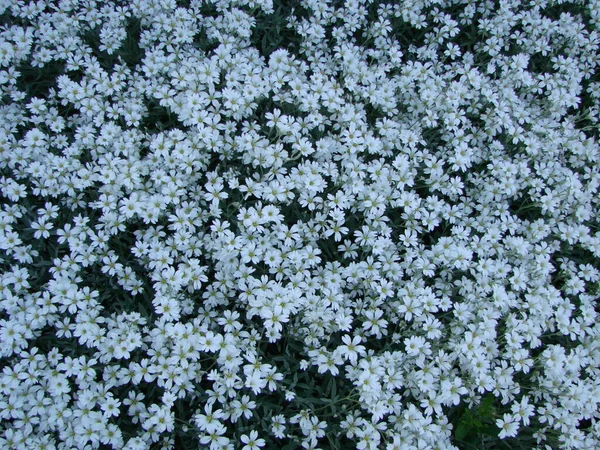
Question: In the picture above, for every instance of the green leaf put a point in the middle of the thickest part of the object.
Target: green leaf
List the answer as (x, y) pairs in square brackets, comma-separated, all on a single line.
[(320, 401), (333, 442), (486, 409), (290, 446), (270, 404), (489, 430), (462, 430)]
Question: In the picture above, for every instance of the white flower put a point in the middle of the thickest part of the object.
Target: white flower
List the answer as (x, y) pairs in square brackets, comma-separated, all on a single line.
[(278, 426), (243, 407), (508, 426), (416, 345), (253, 442), (274, 317), (110, 407), (351, 348), (523, 410), (42, 228)]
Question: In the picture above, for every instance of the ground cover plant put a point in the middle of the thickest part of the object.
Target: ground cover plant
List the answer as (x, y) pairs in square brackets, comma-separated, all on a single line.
[(246, 224)]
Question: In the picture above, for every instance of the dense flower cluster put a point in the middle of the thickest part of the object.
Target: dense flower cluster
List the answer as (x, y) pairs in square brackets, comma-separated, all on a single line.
[(317, 224)]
